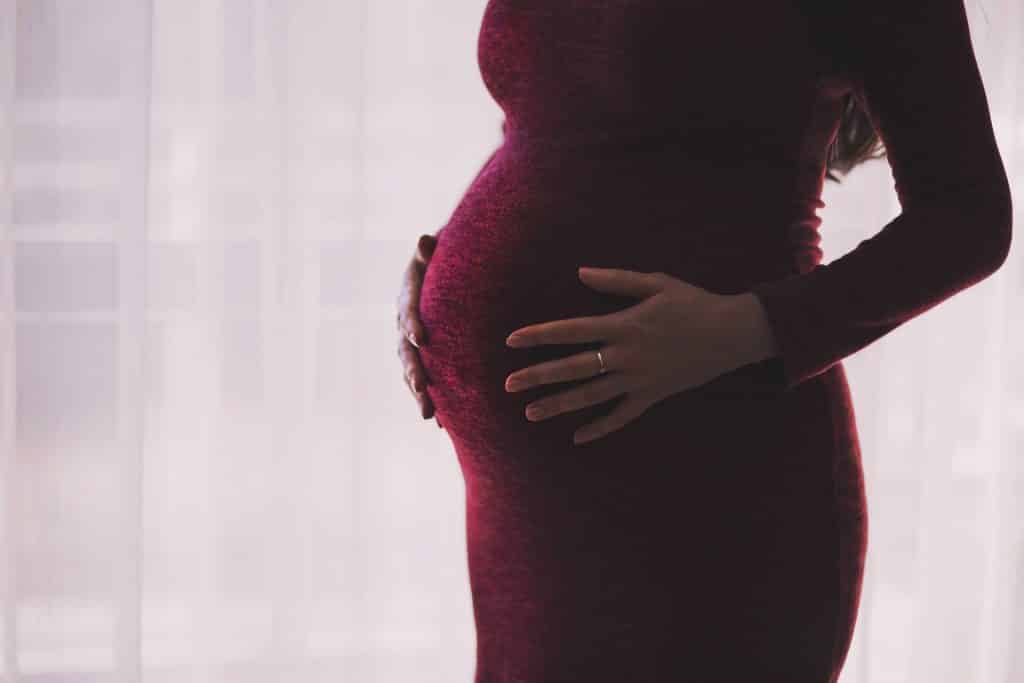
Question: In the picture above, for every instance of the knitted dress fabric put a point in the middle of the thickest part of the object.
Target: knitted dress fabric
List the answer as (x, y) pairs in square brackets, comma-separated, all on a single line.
[(721, 535)]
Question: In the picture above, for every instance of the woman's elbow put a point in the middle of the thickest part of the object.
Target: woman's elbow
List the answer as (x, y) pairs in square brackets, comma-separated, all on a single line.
[(998, 233)]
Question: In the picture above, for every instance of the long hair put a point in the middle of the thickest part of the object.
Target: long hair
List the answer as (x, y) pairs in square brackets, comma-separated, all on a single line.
[(855, 142)]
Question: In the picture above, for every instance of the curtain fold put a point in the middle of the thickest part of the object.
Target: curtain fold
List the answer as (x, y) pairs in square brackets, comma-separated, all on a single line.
[(210, 467)]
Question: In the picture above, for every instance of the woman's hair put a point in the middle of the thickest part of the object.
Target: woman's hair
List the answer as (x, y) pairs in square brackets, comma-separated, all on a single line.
[(855, 142)]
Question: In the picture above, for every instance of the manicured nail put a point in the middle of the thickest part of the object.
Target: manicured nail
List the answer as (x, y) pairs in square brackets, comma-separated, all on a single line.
[(412, 339), (513, 339)]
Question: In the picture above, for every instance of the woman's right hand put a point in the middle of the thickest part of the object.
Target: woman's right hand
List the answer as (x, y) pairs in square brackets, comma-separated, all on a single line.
[(410, 331)]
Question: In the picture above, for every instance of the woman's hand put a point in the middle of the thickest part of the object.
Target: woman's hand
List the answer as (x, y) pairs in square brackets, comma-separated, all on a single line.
[(680, 336), (410, 330)]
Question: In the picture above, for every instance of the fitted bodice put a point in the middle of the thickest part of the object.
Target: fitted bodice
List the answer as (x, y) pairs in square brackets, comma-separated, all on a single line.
[(615, 90)]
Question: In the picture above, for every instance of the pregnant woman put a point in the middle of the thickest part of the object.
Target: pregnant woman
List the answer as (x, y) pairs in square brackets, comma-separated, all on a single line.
[(687, 503)]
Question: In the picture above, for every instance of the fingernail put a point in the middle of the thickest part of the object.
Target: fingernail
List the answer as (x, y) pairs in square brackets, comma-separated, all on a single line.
[(412, 339)]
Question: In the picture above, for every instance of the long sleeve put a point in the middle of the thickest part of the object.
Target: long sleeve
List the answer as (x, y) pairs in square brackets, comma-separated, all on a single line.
[(914, 70)]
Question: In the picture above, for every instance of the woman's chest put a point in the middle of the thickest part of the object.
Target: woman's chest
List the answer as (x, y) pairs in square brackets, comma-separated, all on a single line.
[(704, 56)]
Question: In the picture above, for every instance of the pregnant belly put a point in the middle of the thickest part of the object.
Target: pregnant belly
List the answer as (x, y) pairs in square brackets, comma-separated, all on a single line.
[(508, 258)]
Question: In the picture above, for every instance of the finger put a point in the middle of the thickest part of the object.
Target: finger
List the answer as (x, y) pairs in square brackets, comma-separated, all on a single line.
[(577, 366), (408, 316), (604, 388), (625, 412), (412, 328), (568, 331), (415, 376), (627, 282), (425, 248), (426, 406)]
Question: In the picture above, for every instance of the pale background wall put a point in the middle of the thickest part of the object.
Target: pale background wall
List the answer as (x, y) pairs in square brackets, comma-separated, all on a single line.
[(211, 468)]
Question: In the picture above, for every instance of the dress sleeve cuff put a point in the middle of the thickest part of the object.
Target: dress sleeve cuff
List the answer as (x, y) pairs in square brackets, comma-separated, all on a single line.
[(796, 327)]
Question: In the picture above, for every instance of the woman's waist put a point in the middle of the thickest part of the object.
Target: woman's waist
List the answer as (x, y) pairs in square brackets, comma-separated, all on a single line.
[(665, 165), (503, 240), (534, 198)]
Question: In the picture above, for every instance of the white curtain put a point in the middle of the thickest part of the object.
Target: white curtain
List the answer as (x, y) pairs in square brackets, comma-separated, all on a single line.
[(211, 468)]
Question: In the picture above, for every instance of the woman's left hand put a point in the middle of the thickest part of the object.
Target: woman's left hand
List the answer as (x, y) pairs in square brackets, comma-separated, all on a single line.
[(679, 336)]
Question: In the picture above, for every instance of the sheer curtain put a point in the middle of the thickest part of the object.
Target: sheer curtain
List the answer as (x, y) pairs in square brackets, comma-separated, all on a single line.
[(211, 468)]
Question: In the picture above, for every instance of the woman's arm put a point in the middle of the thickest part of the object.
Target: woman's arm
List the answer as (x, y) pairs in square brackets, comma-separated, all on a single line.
[(914, 70)]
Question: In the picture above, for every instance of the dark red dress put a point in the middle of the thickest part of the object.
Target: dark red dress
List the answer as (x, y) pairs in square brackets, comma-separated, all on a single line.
[(721, 535)]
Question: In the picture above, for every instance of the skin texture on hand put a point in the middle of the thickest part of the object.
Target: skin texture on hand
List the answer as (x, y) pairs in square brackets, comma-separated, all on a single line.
[(410, 331), (743, 336), (677, 337)]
